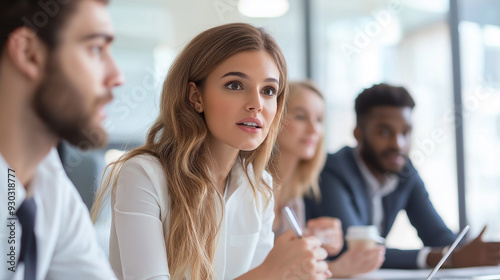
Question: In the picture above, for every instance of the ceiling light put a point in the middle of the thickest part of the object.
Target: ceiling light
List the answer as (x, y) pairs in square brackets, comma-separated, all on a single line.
[(263, 8)]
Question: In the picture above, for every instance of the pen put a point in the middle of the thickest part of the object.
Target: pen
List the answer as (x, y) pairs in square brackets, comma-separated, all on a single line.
[(297, 229), (292, 220)]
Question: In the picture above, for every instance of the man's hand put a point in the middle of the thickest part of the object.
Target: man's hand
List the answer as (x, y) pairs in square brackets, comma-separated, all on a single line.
[(477, 253)]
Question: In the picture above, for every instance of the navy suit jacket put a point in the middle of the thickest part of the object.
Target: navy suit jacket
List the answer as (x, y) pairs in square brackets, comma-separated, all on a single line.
[(344, 194)]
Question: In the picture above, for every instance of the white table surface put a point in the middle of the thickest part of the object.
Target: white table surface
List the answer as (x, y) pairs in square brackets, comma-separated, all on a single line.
[(401, 274)]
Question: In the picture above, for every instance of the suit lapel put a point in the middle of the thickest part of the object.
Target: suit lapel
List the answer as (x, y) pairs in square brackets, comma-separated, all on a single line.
[(359, 189), (392, 205)]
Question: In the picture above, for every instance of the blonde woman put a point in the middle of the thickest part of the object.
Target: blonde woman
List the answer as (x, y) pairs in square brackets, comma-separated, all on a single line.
[(297, 162), (195, 202)]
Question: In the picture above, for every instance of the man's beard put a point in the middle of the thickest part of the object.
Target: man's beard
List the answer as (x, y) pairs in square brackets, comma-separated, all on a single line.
[(62, 107), (372, 159)]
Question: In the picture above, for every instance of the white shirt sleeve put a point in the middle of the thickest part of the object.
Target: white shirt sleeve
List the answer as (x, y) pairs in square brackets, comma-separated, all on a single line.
[(266, 236), (422, 257), (140, 243)]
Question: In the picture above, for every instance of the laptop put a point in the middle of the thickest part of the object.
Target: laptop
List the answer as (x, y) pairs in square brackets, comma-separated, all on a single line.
[(485, 277), (452, 247), (443, 259)]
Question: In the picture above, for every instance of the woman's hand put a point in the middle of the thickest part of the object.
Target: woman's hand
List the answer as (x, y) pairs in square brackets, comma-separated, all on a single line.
[(329, 231), (358, 261), (293, 258)]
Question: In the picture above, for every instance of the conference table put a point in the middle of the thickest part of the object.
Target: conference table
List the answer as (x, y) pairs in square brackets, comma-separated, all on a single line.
[(483, 273)]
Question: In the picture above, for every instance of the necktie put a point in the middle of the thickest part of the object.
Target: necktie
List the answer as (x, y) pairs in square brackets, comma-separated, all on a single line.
[(26, 215)]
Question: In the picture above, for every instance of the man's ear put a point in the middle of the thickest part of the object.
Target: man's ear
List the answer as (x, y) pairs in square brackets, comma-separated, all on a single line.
[(194, 96), (358, 134), (27, 52)]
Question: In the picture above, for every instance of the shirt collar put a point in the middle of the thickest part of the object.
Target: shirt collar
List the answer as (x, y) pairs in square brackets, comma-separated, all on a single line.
[(236, 179), (51, 164), (19, 191), (374, 186)]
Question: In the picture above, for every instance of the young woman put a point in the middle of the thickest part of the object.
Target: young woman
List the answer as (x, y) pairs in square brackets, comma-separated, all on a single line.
[(297, 162), (195, 201)]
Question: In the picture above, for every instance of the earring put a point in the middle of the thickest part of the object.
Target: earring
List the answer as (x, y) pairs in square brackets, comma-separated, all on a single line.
[(198, 108)]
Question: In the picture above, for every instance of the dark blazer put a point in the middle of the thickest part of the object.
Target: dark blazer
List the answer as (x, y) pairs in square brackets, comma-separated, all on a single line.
[(344, 195)]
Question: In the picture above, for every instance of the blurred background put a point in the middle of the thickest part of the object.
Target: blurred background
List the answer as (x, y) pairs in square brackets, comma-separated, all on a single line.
[(445, 52)]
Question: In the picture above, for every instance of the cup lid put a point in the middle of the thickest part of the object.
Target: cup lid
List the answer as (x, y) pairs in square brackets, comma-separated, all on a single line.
[(364, 232)]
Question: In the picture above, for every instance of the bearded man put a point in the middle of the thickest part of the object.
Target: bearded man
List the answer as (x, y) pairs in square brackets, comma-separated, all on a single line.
[(370, 184), (56, 76)]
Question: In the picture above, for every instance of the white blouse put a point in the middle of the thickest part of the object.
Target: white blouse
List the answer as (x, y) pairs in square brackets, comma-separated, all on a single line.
[(140, 208)]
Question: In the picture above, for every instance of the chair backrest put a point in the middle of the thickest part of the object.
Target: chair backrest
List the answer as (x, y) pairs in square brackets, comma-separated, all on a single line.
[(84, 169)]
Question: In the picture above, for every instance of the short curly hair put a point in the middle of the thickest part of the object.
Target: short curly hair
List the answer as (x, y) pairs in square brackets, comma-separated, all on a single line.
[(381, 95)]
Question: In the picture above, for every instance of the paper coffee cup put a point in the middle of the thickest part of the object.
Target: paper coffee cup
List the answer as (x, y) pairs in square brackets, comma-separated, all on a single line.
[(365, 237)]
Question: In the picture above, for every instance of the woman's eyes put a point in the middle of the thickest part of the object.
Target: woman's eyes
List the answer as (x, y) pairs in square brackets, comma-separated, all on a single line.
[(235, 85), (269, 91)]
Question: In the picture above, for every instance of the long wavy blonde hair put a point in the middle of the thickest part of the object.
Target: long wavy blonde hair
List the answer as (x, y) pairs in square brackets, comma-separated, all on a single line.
[(178, 139), (305, 178)]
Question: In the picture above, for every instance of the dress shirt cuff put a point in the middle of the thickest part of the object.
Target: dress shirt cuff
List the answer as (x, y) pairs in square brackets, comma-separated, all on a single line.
[(422, 257)]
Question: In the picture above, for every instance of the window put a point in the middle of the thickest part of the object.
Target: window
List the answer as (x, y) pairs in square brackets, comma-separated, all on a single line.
[(480, 58), (363, 42)]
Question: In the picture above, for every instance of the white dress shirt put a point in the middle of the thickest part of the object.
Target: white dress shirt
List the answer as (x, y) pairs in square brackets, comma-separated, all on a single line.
[(377, 191), (140, 209), (65, 238)]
